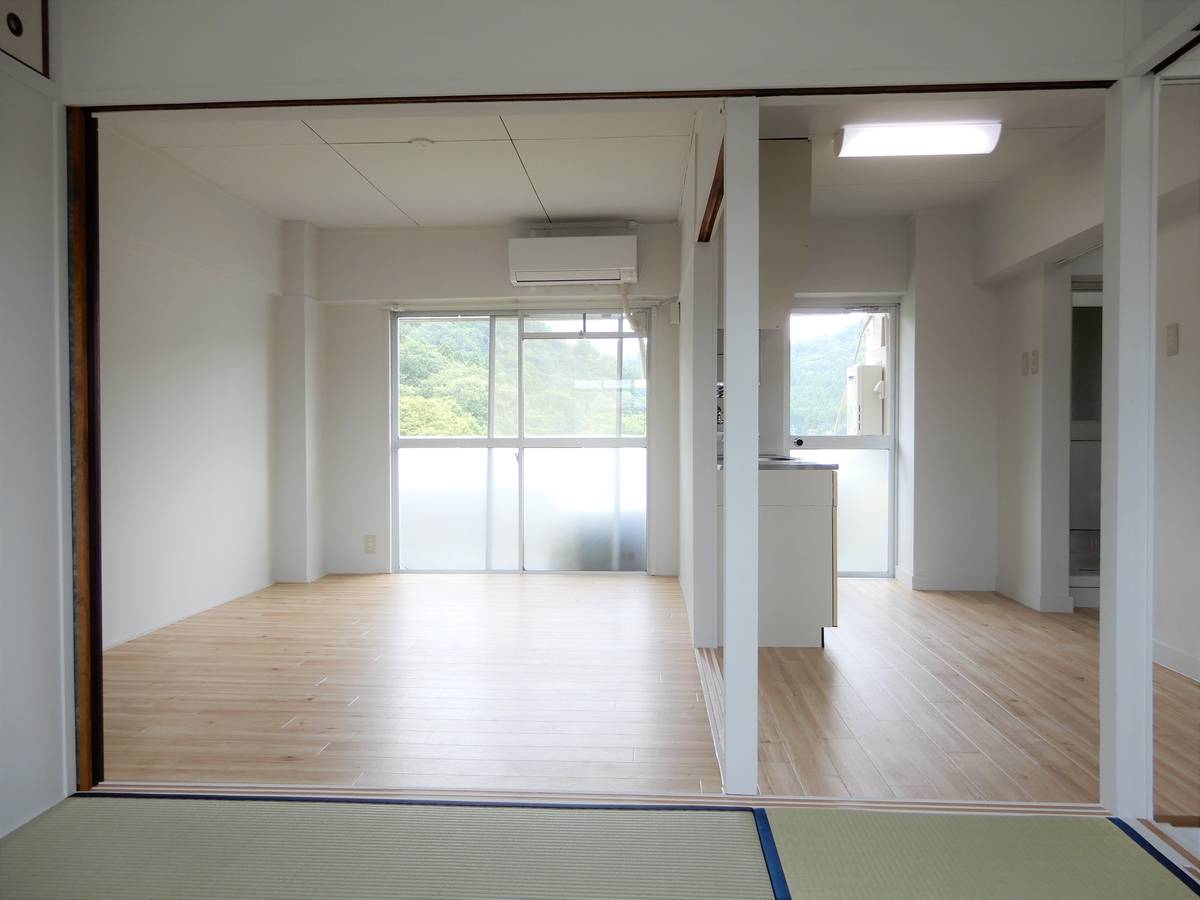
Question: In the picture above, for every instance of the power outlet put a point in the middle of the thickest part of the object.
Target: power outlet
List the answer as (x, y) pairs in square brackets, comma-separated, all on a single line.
[(369, 544)]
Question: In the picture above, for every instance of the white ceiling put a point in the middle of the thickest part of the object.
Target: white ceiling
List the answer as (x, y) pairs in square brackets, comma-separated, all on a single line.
[(1035, 123), (463, 164), (370, 167)]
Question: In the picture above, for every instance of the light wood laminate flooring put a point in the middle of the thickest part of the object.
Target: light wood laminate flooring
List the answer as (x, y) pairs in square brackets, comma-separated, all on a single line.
[(928, 695), (451, 682)]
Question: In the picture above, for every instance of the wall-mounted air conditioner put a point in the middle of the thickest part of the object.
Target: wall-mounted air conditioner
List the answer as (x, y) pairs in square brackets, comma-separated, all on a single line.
[(599, 259)]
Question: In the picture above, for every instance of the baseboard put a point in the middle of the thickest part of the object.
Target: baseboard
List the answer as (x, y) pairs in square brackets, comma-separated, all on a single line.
[(946, 582), (1065, 604), (1184, 663)]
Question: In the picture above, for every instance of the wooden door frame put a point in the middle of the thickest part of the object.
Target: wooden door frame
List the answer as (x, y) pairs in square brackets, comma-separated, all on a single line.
[(83, 308)]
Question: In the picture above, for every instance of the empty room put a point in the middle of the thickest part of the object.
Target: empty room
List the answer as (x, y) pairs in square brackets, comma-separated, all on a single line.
[(536, 450)]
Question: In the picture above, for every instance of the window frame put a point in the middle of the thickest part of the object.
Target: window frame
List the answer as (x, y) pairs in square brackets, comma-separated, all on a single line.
[(520, 442)]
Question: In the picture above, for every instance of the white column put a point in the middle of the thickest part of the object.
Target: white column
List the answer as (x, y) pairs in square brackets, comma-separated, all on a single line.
[(297, 528), (741, 446), (1127, 463)]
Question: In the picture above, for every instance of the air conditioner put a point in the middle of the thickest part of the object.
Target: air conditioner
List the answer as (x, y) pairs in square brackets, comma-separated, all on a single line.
[(599, 259)]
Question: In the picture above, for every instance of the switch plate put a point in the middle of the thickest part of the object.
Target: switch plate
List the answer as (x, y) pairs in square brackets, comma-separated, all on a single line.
[(1025, 363), (369, 544), (1034, 361), (1173, 339)]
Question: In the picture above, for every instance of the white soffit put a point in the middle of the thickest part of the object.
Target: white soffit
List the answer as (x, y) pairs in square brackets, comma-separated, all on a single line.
[(625, 177), (450, 183), (311, 183), (1035, 124)]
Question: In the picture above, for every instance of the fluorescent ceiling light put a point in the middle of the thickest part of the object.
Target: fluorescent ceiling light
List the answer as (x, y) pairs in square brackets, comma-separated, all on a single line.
[(918, 139)]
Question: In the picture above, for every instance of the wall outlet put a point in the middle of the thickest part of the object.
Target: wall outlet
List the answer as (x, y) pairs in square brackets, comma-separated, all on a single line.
[(1173, 339), (1025, 363), (1034, 361), (369, 544)]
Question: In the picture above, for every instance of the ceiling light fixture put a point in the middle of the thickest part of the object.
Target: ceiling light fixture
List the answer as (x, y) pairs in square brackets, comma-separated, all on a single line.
[(917, 139)]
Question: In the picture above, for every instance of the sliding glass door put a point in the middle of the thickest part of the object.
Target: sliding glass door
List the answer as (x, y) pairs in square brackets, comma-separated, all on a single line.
[(842, 410), (520, 442)]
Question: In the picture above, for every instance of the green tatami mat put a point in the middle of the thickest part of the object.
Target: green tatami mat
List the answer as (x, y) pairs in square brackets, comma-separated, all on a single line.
[(833, 853), (129, 848)]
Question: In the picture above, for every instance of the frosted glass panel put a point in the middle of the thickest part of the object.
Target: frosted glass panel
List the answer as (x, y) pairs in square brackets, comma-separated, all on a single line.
[(585, 509), (448, 498), (863, 514)]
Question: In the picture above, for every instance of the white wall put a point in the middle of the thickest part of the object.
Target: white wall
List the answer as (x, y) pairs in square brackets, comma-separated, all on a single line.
[(441, 265), (1055, 209), (356, 449), (188, 277), (146, 51), (361, 271), (947, 412), (1045, 212), (298, 538), (1019, 405), (1177, 430), (864, 255), (36, 711)]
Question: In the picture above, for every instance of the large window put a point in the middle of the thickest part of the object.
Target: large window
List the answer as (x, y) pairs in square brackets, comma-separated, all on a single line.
[(841, 407), (521, 442)]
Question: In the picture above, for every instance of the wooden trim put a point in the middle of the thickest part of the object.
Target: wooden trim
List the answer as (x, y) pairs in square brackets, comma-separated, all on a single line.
[(46, 38), (325, 791), (954, 88), (1178, 821), (1170, 841), (1173, 57), (716, 194), (84, 304), (85, 444)]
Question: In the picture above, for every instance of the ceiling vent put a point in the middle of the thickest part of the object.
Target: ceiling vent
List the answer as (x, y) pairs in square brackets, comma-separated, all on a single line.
[(595, 259)]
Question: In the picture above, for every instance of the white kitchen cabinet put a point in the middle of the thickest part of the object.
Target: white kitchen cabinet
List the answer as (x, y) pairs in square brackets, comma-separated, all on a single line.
[(797, 565)]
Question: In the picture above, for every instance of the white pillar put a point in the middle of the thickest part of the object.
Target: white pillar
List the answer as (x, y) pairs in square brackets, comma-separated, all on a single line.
[(741, 446), (1127, 463), (297, 555)]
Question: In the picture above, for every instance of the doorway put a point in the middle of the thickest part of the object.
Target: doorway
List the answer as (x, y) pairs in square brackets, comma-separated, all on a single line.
[(842, 409), (520, 442)]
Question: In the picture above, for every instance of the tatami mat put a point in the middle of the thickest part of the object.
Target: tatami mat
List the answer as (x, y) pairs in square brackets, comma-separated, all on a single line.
[(133, 848), (830, 854)]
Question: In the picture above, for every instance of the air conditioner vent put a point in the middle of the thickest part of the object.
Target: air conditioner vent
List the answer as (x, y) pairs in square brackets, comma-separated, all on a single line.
[(597, 259)]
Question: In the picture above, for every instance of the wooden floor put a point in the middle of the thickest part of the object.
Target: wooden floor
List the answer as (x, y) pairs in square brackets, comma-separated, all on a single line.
[(576, 683), (455, 682), (946, 696)]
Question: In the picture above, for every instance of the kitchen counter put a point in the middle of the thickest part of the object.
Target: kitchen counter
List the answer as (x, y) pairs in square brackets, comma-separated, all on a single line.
[(784, 462)]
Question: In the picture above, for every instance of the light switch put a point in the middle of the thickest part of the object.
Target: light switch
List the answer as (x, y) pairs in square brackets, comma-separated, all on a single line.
[(1034, 361), (1173, 339), (369, 544), (1025, 363)]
